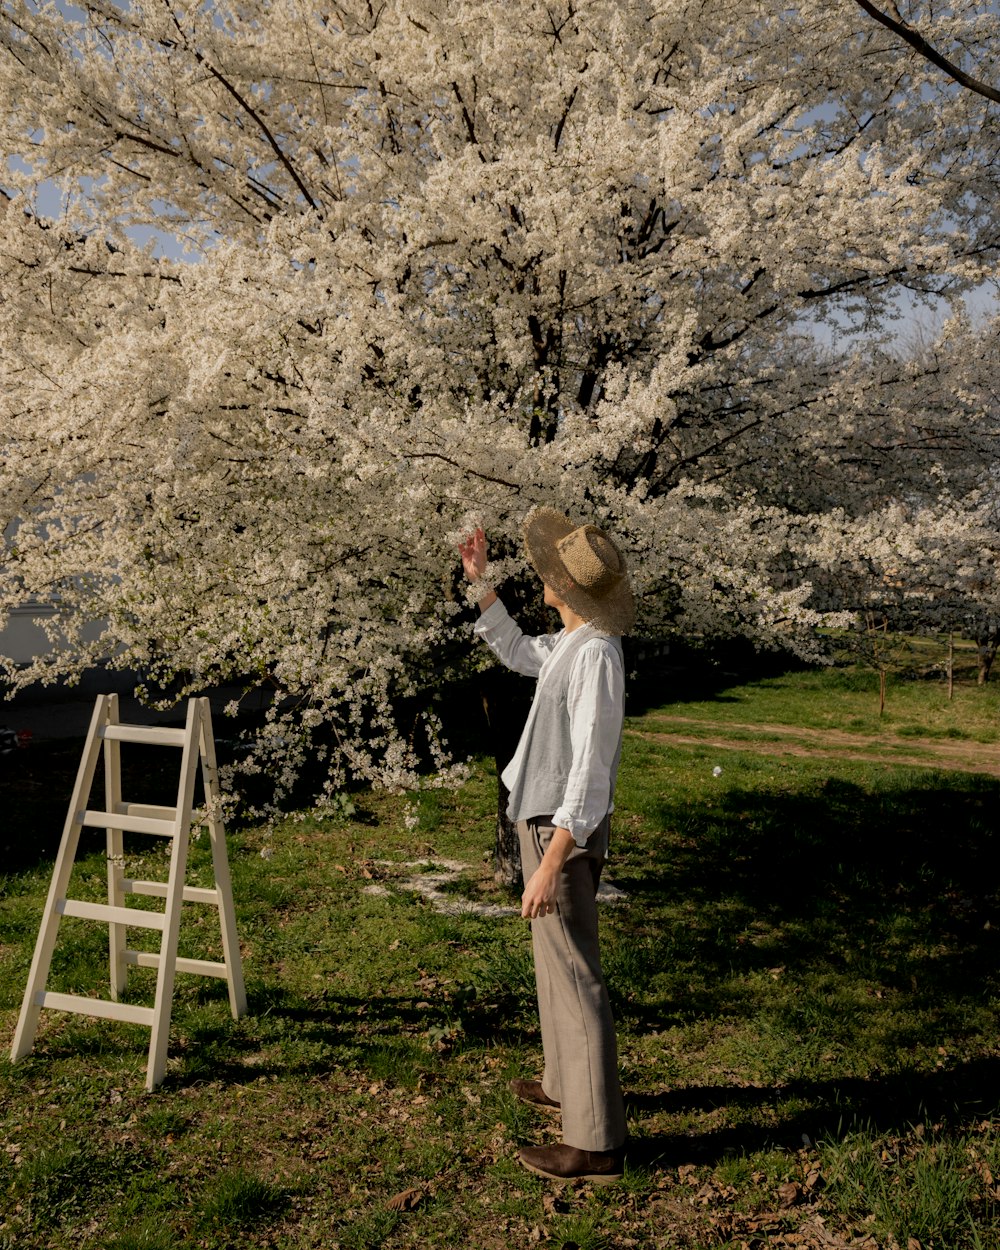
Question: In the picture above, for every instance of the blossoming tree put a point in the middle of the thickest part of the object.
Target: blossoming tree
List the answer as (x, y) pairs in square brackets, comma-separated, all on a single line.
[(433, 263)]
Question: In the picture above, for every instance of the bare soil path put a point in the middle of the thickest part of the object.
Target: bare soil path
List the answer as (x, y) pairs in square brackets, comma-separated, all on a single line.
[(778, 740)]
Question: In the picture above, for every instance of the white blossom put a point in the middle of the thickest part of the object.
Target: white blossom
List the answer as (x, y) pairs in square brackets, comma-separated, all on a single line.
[(435, 264)]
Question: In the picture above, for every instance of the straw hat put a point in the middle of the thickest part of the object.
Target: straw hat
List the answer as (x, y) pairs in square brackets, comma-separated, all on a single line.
[(583, 566)]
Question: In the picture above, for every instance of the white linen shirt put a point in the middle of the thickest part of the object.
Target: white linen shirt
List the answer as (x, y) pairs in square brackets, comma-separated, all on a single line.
[(595, 703)]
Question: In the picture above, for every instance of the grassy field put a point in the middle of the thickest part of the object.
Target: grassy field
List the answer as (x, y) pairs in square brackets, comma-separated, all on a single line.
[(805, 970)]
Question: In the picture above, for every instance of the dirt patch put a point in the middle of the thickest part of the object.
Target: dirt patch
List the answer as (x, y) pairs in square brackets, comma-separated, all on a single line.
[(966, 757), (429, 885)]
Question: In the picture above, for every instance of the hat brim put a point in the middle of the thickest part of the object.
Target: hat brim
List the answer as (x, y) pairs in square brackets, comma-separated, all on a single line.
[(613, 613)]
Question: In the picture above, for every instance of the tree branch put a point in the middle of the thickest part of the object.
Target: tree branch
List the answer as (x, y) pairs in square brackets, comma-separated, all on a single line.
[(470, 128), (110, 273), (920, 44), (251, 112), (565, 115), (142, 142), (486, 477)]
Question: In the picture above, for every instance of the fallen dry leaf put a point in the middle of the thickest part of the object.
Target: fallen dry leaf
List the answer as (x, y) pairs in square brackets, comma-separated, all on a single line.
[(790, 1194), (407, 1200), (817, 1234)]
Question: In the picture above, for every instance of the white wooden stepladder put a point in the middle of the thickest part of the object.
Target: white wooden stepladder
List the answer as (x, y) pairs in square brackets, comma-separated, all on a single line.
[(197, 744)]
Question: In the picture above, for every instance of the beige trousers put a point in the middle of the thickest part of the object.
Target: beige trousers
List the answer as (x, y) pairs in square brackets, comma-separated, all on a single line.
[(578, 1032)]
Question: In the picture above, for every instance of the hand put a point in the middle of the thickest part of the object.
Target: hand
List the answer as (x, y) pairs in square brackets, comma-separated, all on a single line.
[(539, 897), (474, 557)]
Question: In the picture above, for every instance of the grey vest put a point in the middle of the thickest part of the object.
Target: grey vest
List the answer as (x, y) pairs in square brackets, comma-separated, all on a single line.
[(548, 755)]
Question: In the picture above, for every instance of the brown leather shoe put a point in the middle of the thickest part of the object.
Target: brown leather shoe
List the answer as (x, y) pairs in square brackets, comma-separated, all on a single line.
[(566, 1163), (532, 1093)]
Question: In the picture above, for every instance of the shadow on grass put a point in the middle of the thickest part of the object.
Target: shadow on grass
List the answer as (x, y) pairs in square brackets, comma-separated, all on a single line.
[(804, 1112), (899, 885), (844, 925), (388, 1037)]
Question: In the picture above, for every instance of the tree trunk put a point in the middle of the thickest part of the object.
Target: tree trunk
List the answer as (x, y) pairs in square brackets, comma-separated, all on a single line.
[(506, 704), (507, 849), (987, 642), (951, 667)]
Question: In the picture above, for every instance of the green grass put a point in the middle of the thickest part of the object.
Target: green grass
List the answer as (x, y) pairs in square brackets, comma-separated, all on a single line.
[(806, 978), (844, 697), (237, 1198), (933, 1188)]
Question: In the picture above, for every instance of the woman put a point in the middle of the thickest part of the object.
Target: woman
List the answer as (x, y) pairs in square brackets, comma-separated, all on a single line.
[(561, 783)]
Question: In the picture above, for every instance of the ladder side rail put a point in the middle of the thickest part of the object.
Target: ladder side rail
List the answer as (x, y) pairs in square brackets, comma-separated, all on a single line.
[(27, 1024), (157, 1065), (220, 864), (117, 933)]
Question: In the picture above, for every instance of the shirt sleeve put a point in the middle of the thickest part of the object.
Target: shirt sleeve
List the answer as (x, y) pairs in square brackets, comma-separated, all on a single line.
[(518, 651), (596, 706)]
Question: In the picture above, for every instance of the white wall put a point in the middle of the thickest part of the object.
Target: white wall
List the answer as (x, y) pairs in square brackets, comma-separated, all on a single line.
[(23, 638)]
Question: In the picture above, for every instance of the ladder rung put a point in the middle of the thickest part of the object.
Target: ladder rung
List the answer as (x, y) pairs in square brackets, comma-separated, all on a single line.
[(200, 967), (158, 889), (148, 811), (198, 814), (95, 1007), (128, 823), (153, 735), (131, 916)]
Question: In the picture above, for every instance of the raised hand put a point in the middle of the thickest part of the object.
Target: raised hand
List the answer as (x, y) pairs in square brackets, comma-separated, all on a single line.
[(474, 555)]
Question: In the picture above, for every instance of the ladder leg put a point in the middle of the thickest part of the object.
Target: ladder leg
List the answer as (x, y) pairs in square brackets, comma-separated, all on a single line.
[(157, 1065), (220, 864), (117, 933), (27, 1024)]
